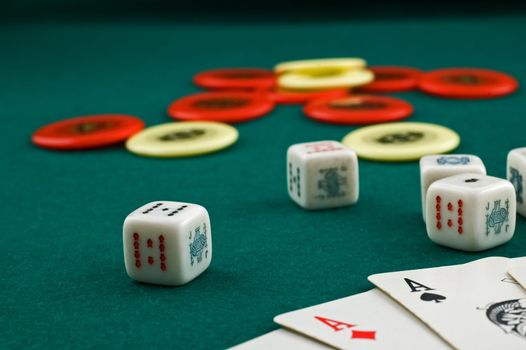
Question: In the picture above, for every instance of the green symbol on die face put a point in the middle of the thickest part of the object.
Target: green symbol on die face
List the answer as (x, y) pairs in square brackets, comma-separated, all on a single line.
[(516, 180), (332, 182), (497, 217), (198, 245), (453, 160)]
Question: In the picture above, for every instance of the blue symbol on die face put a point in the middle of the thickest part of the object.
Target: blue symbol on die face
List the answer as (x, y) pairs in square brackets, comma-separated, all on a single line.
[(498, 216), (198, 245), (516, 180), (332, 182), (453, 160)]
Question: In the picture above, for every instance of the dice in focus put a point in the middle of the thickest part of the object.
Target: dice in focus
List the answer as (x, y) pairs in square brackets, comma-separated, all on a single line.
[(439, 166), (470, 212), (322, 175), (516, 168), (167, 243)]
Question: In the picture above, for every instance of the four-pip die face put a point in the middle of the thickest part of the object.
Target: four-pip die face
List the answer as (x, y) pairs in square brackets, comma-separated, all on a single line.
[(439, 166), (167, 243), (470, 212), (516, 169), (322, 175)]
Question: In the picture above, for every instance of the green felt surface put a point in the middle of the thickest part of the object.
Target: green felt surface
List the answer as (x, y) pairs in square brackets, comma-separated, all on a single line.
[(63, 281)]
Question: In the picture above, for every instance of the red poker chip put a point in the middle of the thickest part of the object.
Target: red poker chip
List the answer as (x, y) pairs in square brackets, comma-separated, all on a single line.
[(222, 106), (392, 79), (86, 132), (468, 83), (358, 110), (236, 78), (297, 97)]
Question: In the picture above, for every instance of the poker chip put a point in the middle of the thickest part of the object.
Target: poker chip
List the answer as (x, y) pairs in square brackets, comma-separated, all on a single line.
[(300, 97), (329, 78), (403, 141), (467, 83), (389, 79), (222, 106), (236, 78), (320, 64), (87, 132), (182, 139), (358, 110)]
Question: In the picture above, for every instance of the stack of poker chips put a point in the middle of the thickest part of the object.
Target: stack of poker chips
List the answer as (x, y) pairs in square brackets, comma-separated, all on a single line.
[(342, 91)]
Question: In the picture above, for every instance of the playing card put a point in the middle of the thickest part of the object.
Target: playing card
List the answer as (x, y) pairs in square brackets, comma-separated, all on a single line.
[(281, 339), (369, 320), (471, 306), (517, 270)]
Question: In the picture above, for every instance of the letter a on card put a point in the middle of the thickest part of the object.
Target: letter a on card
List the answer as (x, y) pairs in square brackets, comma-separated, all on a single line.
[(334, 324), (338, 326), (415, 286)]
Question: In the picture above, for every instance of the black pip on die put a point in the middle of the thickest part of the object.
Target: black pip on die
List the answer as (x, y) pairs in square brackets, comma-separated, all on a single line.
[(470, 212), (168, 243), (322, 175), (516, 169), (439, 166)]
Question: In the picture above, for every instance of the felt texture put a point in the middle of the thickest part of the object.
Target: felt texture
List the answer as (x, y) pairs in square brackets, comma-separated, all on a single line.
[(64, 283)]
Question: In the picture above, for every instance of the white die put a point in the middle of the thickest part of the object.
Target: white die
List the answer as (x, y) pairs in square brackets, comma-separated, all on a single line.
[(167, 243), (470, 212), (516, 168), (439, 166), (322, 175)]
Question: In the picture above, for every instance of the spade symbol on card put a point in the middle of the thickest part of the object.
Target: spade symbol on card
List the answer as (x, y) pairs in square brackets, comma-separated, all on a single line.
[(437, 298)]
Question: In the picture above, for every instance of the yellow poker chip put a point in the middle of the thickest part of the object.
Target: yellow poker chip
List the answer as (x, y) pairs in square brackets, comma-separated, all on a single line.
[(328, 78), (182, 139), (398, 142), (345, 63)]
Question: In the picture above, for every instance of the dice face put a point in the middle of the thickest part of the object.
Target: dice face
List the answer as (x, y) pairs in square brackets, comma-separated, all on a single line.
[(436, 167), (167, 243), (322, 175), (470, 212), (516, 169)]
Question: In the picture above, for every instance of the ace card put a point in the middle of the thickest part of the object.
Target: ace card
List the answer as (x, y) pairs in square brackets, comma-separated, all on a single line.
[(369, 320), (471, 306)]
